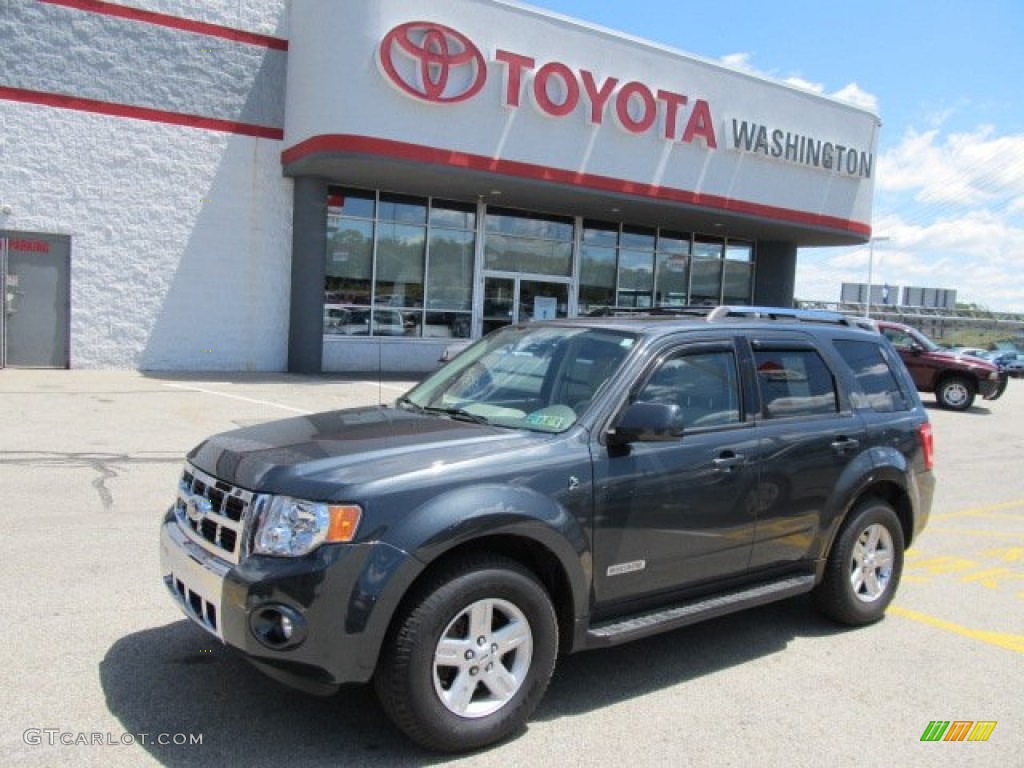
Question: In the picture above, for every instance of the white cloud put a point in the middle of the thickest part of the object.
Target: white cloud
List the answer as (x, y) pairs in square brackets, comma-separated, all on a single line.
[(854, 94), (851, 93), (964, 169), (952, 206), (979, 254), (740, 61), (805, 85)]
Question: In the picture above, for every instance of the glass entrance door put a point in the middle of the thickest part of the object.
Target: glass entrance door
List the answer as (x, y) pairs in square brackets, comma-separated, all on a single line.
[(499, 303), (542, 300), (522, 299)]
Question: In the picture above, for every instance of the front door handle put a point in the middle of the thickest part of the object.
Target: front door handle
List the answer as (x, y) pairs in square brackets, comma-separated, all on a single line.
[(842, 444), (728, 461)]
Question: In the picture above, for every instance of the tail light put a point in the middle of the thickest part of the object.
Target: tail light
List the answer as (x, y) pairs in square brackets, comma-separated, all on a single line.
[(924, 432)]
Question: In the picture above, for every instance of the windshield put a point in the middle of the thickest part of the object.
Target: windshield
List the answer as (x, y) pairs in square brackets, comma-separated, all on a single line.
[(905, 338), (541, 378), (924, 341)]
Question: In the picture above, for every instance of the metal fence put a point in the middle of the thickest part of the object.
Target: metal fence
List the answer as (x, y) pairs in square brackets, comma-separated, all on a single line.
[(936, 322)]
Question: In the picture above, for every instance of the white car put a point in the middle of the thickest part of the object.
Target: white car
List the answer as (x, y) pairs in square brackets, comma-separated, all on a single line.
[(355, 321)]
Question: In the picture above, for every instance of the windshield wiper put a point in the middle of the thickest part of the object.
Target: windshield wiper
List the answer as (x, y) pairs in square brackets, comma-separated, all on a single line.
[(455, 413), (459, 413)]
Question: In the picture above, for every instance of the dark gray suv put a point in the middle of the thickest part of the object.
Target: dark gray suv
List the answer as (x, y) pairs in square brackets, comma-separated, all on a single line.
[(559, 486)]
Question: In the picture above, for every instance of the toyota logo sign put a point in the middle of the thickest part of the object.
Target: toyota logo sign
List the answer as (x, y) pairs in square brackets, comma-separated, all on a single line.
[(432, 62)]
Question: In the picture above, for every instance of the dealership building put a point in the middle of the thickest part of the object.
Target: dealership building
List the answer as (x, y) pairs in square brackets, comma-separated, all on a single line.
[(327, 185)]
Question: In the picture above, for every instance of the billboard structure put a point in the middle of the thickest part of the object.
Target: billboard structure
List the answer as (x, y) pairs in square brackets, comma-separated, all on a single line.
[(894, 296)]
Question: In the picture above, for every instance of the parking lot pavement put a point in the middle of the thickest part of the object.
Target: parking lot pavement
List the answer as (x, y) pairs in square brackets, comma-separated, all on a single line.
[(102, 669)]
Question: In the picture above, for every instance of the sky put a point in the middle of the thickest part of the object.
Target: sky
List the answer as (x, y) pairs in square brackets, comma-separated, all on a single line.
[(946, 79)]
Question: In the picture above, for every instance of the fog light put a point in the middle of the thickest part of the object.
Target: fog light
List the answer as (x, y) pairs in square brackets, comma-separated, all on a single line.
[(278, 627)]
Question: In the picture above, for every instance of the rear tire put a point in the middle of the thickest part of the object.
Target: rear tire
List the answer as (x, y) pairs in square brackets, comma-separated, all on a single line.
[(864, 566), (468, 661)]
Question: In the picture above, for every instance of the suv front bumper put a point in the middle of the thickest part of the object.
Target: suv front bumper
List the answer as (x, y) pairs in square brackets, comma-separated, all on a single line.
[(338, 600), (992, 389)]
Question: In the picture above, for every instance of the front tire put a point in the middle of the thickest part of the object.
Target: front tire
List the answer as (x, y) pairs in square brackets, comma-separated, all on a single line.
[(956, 393), (864, 566), (471, 656)]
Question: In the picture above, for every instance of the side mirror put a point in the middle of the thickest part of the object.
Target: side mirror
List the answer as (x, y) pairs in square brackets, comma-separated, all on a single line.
[(647, 422)]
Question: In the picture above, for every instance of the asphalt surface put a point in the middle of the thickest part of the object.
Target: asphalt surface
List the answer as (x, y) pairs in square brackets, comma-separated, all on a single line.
[(102, 669)]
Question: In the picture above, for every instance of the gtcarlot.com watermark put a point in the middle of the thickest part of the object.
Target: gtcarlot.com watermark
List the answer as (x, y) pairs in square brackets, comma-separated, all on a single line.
[(54, 737)]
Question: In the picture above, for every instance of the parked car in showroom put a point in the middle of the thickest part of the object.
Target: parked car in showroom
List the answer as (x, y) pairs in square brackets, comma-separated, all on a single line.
[(955, 379), (355, 321), (454, 348)]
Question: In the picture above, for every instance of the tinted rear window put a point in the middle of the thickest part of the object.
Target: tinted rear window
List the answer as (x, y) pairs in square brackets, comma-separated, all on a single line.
[(795, 382), (880, 387)]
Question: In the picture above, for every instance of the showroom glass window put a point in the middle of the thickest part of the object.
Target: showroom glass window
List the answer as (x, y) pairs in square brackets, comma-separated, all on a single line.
[(639, 267), (617, 266), (350, 235), (397, 265), (450, 252), (598, 260), (706, 270), (636, 267), (738, 276), (672, 273), (519, 241)]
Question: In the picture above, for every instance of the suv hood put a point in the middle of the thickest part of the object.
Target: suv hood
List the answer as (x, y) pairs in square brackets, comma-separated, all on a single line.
[(320, 452), (968, 360)]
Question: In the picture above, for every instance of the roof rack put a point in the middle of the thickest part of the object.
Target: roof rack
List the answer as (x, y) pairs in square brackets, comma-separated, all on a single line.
[(713, 314), (785, 313), (694, 310)]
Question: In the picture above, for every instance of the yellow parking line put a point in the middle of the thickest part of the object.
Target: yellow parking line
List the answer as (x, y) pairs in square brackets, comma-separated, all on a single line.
[(999, 639), (982, 534), (979, 511)]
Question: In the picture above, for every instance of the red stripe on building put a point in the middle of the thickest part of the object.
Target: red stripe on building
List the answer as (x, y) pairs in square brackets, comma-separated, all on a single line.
[(365, 145), (139, 113), (173, 22)]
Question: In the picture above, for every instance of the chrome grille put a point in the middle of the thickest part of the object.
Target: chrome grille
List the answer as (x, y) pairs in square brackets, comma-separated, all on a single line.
[(194, 604), (213, 513)]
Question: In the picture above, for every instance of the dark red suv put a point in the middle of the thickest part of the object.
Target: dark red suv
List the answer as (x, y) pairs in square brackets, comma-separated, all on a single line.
[(955, 379)]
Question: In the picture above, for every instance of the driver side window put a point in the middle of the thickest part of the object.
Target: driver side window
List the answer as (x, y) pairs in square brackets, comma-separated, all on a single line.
[(704, 385)]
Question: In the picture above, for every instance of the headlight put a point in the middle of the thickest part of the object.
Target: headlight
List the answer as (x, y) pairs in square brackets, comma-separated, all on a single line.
[(293, 527)]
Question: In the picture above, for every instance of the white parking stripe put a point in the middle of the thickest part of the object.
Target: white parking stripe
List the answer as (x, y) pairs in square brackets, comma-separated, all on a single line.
[(272, 404)]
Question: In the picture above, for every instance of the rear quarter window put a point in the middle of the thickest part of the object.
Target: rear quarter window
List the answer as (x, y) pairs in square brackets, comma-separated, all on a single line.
[(880, 388), (795, 382)]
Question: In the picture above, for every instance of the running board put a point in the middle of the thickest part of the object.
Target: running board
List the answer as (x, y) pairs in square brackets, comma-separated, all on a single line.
[(691, 612)]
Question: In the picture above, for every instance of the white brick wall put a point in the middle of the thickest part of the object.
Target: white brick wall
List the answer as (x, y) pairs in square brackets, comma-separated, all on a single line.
[(265, 17), (180, 237), (54, 49)]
